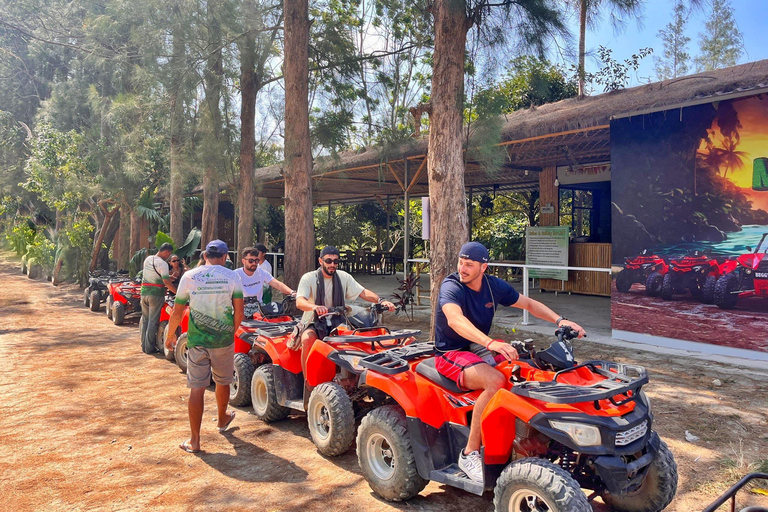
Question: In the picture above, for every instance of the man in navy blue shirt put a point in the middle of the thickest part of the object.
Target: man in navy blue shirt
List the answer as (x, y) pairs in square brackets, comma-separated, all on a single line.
[(465, 310)]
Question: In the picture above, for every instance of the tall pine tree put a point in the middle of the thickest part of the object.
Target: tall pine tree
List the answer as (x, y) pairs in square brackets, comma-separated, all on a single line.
[(675, 59), (721, 44)]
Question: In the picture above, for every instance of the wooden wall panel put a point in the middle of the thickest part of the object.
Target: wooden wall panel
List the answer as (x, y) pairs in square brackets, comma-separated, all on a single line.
[(549, 195), (589, 283)]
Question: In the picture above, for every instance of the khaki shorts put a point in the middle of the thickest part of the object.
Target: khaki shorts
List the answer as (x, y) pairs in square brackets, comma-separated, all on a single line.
[(201, 362)]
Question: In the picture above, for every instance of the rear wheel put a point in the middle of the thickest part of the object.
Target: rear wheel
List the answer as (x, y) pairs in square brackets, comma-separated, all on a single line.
[(656, 491), (240, 389), (653, 284), (110, 302), (667, 288), (162, 330), (87, 297), (95, 300), (537, 485), (169, 352), (180, 352), (331, 419), (264, 395), (708, 291), (624, 281), (385, 455), (118, 313), (725, 298)]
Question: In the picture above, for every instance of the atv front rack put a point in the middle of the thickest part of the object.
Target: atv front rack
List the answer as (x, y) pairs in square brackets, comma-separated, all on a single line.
[(271, 330), (358, 338), (394, 361), (620, 379), (259, 324)]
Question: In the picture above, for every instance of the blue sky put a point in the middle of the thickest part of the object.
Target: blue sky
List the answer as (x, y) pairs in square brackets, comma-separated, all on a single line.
[(750, 17)]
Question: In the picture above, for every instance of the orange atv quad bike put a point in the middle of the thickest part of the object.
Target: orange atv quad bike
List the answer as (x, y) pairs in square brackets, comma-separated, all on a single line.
[(332, 397), (555, 428), (272, 314)]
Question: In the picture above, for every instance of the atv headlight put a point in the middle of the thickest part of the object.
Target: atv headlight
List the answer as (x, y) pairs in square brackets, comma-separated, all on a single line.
[(580, 433), (353, 360), (748, 271)]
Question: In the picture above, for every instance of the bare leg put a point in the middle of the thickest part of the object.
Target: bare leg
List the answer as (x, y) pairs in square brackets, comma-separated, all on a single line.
[(222, 400), (485, 377), (308, 338), (195, 407)]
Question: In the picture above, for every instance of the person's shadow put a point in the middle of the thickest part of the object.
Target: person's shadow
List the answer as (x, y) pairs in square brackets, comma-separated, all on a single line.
[(251, 463)]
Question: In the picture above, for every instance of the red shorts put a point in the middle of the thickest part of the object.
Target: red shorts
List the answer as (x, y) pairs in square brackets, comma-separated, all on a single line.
[(452, 364)]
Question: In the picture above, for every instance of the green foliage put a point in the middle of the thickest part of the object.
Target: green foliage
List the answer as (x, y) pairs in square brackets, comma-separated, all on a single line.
[(721, 44), (614, 75), (191, 244), (162, 238), (41, 252), (404, 295), (675, 58), (136, 262), (20, 235), (500, 222)]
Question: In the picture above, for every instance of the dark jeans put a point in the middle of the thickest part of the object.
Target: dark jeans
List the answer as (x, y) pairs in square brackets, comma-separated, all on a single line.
[(151, 306)]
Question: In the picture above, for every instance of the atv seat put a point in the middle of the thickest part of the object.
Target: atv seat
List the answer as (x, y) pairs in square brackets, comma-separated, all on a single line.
[(427, 369)]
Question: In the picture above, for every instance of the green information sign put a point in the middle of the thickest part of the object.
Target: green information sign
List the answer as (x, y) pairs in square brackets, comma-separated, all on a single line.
[(547, 245)]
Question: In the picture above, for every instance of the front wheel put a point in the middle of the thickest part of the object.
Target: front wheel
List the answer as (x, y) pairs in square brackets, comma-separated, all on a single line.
[(725, 298), (264, 395), (87, 297), (653, 284), (95, 300), (331, 419), (624, 281), (533, 484), (667, 287), (180, 352), (656, 491), (708, 290), (240, 389), (385, 455), (118, 313), (110, 302)]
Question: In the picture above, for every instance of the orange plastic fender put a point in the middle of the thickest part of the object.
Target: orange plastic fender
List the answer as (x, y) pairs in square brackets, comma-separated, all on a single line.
[(319, 368), (392, 387), (498, 424)]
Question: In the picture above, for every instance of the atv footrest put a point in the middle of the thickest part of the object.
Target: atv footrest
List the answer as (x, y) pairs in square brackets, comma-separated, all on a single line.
[(257, 324), (455, 477), (394, 361)]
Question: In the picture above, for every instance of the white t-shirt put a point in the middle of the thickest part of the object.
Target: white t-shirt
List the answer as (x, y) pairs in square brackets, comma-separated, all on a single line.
[(308, 289), (266, 266), (253, 286)]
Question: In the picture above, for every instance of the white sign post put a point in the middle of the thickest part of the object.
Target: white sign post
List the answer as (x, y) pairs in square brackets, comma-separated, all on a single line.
[(547, 245)]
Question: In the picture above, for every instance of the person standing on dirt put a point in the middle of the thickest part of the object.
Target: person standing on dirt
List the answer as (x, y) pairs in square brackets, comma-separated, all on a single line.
[(465, 353), (154, 281), (254, 278), (322, 289), (214, 295)]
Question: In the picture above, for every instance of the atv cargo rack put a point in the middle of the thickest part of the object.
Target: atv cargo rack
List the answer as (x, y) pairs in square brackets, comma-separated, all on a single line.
[(259, 324), (394, 361), (271, 330), (357, 338), (620, 379)]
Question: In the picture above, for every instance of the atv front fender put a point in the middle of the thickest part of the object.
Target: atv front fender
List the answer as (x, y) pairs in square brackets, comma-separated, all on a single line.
[(498, 424), (319, 368)]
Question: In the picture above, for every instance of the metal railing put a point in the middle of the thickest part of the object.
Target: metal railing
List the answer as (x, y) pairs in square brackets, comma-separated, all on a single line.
[(526, 277)]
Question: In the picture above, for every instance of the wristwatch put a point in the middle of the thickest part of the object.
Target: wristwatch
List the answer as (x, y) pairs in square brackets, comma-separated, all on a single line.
[(559, 319)]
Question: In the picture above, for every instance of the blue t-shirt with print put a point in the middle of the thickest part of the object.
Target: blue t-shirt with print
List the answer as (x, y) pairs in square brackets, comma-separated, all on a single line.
[(478, 307)]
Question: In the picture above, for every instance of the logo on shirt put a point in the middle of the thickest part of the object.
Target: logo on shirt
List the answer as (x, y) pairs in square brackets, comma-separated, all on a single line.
[(489, 305)]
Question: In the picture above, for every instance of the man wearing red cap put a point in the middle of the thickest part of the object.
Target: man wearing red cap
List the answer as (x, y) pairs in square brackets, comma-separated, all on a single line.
[(465, 353)]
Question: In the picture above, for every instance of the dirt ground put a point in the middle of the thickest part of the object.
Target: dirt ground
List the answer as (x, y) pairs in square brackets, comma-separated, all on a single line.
[(634, 311), (88, 422)]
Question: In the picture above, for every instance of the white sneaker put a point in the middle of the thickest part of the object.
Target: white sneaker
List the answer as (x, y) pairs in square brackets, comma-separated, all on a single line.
[(471, 465)]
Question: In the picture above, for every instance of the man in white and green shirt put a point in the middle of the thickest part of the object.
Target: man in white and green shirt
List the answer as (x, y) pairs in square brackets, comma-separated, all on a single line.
[(155, 278), (214, 295)]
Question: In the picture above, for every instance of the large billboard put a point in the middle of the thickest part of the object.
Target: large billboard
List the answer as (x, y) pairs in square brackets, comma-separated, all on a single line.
[(690, 223)]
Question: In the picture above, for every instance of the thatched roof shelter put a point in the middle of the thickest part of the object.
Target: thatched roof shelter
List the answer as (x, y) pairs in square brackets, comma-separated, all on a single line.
[(567, 132)]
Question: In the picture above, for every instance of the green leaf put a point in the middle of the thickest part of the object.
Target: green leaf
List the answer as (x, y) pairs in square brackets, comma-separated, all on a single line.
[(191, 244), (162, 238)]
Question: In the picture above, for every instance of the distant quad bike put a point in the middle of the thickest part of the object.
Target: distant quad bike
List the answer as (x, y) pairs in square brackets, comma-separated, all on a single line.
[(743, 277), (123, 300), (97, 290), (648, 269), (555, 428), (697, 273), (334, 396), (246, 361)]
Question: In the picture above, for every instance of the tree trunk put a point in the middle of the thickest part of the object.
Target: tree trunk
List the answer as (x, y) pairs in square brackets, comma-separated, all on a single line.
[(101, 234), (299, 232), (123, 246), (248, 87), (176, 198), (582, 46), (445, 163), (213, 84), (109, 237), (135, 244)]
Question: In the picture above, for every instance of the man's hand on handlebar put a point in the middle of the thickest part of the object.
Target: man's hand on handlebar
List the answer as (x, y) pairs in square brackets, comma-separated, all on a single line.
[(320, 310), (503, 348), (573, 325), (387, 304)]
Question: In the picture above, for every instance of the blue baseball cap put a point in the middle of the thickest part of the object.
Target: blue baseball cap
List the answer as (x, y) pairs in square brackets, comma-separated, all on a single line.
[(474, 251), (217, 247)]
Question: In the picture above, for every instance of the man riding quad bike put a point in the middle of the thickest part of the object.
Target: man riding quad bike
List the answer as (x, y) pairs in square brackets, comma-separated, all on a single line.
[(97, 289), (554, 428), (697, 273), (645, 268), (331, 397), (744, 276)]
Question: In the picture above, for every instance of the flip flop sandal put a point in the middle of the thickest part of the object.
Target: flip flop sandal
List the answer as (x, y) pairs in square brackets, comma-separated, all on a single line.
[(187, 448), (231, 419)]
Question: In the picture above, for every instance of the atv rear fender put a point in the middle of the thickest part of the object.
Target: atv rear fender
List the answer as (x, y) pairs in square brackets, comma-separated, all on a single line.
[(498, 424)]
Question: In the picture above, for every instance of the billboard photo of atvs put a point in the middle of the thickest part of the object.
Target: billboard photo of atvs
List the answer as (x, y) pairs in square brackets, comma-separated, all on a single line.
[(689, 195)]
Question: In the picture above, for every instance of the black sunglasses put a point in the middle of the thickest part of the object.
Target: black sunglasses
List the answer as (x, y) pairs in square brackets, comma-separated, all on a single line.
[(330, 261), (174, 261), (251, 260)]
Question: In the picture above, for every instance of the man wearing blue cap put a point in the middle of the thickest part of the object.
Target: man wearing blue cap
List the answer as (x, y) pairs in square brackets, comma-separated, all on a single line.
[(215, 298), (466, 354)]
